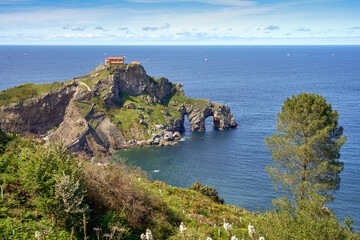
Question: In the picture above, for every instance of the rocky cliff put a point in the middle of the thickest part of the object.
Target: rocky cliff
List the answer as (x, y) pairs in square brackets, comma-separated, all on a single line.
[(111, 108)]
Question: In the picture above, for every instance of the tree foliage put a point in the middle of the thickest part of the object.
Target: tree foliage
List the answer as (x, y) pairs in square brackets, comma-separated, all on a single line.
[(306, 149)]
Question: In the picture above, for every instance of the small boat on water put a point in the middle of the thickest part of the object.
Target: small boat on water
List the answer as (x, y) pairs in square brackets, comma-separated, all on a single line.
[(206, 60), (333, 54), (156, 170)]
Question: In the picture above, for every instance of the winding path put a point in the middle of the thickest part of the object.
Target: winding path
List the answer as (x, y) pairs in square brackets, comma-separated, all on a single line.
[(84, 84)]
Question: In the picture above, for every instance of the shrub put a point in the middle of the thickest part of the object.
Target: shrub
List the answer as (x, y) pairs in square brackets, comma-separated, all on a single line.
[(118, 188), (31, 175), (308, 220), (207, 191), (4, 139)]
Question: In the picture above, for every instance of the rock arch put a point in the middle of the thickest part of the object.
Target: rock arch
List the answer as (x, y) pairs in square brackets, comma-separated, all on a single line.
[(222, 117)]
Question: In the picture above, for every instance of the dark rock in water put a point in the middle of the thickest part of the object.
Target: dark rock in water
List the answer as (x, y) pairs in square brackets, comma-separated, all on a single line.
[(107, 110)]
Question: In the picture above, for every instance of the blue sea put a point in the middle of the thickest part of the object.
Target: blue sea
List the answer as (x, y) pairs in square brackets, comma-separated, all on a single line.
[(253, 80)]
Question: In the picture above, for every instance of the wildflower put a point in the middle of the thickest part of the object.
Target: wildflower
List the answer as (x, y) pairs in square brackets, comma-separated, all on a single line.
[(148, 234), (97, 230), (234, 238), (228, 227), (209, 238), (37, 235), (251, 230), (107, 235), (142, 236), (182, 228), (261, 238)]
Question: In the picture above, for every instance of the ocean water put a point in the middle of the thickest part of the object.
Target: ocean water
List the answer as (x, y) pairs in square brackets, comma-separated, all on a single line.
[(253, 80)]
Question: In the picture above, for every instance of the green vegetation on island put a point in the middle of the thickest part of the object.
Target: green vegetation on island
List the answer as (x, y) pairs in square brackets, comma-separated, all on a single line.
[(108, 109), (28, 90)]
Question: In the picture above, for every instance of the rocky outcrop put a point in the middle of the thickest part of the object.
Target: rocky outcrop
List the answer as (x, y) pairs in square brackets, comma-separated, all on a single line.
[(112, 108), (132, 79), (221, 115), (73, 127), (162, 89), (109, 88), (109, 134), (37, 115)]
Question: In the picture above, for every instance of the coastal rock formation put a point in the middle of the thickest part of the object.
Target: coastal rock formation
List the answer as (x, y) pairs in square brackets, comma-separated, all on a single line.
[(36, 115), (111, 108)]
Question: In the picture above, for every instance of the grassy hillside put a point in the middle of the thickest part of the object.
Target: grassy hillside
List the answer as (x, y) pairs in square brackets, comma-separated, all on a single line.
[(48, 192), (25, 91)]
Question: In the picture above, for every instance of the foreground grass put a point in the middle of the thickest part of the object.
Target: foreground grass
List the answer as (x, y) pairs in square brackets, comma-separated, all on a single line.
[(48, 192)]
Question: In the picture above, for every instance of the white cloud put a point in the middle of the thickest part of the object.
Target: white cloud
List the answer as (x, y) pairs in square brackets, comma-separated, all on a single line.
[(229, 17), (166, 26), (303, 29), (99, 28), (45, 16), (78, 29), (239, 3), (11, 1), (272, 28)]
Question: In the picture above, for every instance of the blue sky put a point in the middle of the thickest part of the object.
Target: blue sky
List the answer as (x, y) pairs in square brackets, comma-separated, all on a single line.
[(214, 22)]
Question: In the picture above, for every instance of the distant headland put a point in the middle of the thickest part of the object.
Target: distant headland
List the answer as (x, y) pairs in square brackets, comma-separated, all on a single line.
[(116, 106)]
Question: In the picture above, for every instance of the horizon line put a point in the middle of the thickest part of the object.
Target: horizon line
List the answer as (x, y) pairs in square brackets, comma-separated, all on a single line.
[(357, 44)]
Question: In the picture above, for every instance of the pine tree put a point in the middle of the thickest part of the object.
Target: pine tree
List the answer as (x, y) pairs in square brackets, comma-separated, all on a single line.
[(306, 149)]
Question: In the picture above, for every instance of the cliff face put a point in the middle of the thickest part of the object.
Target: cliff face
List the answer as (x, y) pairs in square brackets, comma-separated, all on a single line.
[(38, 114), (111, 108)]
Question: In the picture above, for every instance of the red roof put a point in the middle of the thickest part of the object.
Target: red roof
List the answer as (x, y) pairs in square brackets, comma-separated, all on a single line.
[(113, 58)]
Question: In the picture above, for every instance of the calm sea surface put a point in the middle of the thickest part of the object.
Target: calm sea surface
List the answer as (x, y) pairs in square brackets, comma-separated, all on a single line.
[(253, 80)]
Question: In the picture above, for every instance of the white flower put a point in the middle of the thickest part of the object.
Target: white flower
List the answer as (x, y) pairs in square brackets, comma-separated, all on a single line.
[(261, 238), (234, 238), (227, 227), (209, 238), (251, 230), (37, 235), (142, 236), (148, 234), (182, 228)]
